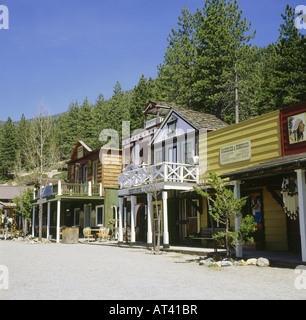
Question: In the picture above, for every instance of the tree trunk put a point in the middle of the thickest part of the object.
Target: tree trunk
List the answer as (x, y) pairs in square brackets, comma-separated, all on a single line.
[(236, 96), (227, 244)]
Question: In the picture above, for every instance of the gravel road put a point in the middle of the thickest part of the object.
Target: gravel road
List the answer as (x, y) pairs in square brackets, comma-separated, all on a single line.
[(82, 271)]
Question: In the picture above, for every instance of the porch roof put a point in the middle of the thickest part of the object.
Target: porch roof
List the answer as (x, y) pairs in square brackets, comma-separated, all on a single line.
[(279, 165)]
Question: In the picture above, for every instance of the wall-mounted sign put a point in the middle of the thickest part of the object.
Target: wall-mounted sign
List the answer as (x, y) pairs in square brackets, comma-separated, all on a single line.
[(235, 152), (296, 127)]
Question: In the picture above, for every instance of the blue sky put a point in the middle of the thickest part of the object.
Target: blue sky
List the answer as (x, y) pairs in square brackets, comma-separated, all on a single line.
[(58, 51)]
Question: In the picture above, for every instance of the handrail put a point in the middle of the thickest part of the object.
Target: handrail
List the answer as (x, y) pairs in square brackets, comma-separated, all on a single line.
[(74, 189), (160, 172)]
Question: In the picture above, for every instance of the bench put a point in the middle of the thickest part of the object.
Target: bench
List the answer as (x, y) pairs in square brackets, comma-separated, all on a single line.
[(206, 234)]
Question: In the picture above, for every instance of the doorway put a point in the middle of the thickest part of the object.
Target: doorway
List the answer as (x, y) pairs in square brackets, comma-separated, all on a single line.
[(141, 223)]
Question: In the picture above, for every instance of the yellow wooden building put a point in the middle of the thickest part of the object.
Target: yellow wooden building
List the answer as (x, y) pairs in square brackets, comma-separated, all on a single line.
[(245, 145)]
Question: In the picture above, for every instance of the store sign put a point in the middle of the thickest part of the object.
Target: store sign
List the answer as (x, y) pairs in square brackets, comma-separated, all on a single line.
[(235, 152), (136, 190)]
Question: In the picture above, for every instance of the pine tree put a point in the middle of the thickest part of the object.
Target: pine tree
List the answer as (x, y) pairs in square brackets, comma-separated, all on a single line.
[(120, 108), (288, 80), (140, 97), (8, 147), (22, 131), (87, 124), (176, 74), (67, 131), (206, 65), (222, 48)]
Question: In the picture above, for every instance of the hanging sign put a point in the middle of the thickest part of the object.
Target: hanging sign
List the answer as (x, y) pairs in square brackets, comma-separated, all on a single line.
[(235, 152)]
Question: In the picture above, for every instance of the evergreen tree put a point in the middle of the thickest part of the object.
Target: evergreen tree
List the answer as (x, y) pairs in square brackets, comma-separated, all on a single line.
[(86, 125), (285, 81), (120, 108), (206, 63), (140, 97), (68, 130), (8, 147), (222, 49), (22, 131), (177, 73)]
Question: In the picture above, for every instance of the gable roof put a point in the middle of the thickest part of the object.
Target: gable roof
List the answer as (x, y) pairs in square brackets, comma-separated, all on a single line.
[(199, 120), (10, 192), (75, 150)]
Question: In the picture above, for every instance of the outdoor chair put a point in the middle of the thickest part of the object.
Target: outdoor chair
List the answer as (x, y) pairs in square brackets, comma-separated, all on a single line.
[(87, 234), (103, 233)]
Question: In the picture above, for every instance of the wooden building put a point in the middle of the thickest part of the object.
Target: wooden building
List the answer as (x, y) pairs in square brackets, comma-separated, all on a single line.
[(265, 159), (161, 161), (7, 206), (88, 198)]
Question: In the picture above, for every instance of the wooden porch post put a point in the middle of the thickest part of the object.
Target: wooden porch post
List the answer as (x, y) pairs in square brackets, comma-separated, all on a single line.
[(58, 221), (33, 221), (165, 219), (133, 200), (302, 209), (120, 231), (149, 220), (89, 189), (238, 220), (48, 219)]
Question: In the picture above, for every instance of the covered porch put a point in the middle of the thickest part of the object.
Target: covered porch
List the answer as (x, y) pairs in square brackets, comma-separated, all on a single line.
[(280, 187), (73, 205)]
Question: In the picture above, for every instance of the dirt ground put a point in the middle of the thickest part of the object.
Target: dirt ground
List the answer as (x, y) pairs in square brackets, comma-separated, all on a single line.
[(82, 271)]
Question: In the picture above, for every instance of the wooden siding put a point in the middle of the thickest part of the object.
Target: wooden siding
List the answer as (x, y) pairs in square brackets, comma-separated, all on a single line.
[(262, 131), (111, 168), (274, 223)]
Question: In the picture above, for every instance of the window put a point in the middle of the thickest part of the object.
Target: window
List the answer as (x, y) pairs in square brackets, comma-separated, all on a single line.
[(84, 174), (80, 152), (172, 125), (100, 215), (158, 156), (193, 216), (188, 151), (87, 215), (76, 179)]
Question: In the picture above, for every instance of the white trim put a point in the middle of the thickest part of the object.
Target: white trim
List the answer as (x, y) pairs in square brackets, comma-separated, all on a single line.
[(171, 112)]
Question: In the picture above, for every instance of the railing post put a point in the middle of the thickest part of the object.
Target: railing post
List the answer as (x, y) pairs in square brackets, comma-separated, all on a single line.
[(165, 172), (89, 189), (182, 173), (100, 190), (198, 174), (59, 187)]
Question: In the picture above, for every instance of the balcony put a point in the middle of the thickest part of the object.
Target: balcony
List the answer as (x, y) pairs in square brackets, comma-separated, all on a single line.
[(165, 172), (70, 189)]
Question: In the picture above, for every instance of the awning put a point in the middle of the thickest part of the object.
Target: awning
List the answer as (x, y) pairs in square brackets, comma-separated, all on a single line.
[(279, 165)]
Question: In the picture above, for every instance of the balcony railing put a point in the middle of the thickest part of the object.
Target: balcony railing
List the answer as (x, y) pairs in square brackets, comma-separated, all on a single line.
[(161, 172), (70, 189)]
